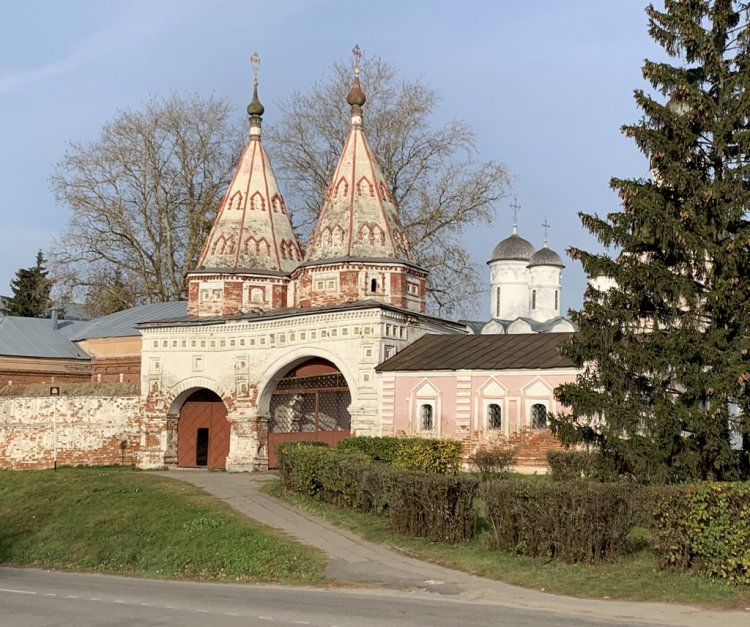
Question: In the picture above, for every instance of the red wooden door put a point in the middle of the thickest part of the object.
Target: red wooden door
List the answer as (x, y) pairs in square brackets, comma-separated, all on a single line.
[(203, 432)]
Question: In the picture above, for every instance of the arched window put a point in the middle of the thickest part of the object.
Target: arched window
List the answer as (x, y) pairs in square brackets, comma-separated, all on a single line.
[(426, 421), (497, 303), (494, 416), (373, 285), (556, 299), (538, 416), (533, 299)]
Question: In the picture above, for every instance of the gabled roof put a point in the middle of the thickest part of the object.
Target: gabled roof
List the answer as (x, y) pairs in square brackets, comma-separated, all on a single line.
[(38, 337), (481, 352), (124, 323)]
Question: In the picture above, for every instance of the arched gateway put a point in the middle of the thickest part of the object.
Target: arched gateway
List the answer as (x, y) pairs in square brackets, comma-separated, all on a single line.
[(310, 402), (203, 431)]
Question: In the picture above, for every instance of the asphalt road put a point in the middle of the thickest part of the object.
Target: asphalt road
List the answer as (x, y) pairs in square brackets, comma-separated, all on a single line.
[(45, 599)]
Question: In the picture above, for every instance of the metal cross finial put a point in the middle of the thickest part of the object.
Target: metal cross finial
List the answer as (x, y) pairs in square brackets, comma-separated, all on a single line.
[(546, 225), (357, 52), (515, 208), (255, 62)]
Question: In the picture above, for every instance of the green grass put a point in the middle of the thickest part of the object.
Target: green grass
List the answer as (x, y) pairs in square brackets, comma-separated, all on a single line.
[(122, 521), (634, 578)]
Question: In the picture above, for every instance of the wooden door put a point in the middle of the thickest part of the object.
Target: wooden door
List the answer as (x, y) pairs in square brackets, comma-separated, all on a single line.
[(203, 432)]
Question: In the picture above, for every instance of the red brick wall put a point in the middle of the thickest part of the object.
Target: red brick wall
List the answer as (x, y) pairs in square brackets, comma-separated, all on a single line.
[(116, 369)]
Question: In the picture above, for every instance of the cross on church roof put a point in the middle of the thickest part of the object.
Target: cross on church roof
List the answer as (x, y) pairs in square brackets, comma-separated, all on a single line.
[(515, 208), (357, 52), (546, 226)]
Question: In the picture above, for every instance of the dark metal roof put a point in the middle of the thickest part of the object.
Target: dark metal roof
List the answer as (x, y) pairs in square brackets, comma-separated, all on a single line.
[(39, 337), (124, 323), (545, 257), (481, 352), (514, 247)]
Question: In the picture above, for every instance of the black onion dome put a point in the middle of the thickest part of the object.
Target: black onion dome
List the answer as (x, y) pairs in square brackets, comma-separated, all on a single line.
[(545, 257), (514, 247)]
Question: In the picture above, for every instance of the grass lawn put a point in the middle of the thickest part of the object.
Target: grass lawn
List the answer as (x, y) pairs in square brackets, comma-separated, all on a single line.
[(632, 578), (126, 522)]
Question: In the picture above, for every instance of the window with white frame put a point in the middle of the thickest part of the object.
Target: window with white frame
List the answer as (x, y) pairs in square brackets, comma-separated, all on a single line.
[(538, 416), (494, 416)]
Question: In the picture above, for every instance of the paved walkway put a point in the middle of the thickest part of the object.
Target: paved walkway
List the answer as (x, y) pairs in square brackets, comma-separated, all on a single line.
[(357, 561)]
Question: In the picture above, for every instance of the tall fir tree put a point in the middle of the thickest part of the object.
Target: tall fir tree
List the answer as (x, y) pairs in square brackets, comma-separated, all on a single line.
[(664, 340), (31, 291)]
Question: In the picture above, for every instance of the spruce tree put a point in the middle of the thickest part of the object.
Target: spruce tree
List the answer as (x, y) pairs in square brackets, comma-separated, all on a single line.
[(31, 289), (665, 345)]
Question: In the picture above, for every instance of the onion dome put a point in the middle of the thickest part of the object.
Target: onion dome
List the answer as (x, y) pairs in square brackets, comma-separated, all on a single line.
[(545, 257), (513, 248)]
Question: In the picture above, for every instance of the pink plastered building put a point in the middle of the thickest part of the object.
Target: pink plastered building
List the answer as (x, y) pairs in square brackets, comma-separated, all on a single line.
[(479, 389)]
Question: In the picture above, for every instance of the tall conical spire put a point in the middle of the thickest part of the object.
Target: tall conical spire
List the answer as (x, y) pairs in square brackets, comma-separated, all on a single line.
[(359, 250), (252, 234), (359, 217)]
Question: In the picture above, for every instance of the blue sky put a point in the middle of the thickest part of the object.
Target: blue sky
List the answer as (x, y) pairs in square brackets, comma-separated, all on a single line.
[(545, 85)]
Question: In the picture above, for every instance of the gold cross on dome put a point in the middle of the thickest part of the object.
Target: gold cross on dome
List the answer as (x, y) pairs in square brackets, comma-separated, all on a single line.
[(255, 62)]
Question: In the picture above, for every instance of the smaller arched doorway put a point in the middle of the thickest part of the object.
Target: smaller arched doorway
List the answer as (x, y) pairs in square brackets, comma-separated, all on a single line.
[(311, 402), (203, 431)]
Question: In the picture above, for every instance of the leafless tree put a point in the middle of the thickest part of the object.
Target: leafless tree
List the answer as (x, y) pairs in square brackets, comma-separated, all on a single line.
[(438, 183), (142, 198)]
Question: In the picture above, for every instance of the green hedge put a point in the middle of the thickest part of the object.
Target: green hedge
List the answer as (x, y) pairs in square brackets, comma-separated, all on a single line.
[(577, 465), (424, 454), (574, 521), (705, 527), (419, 504)]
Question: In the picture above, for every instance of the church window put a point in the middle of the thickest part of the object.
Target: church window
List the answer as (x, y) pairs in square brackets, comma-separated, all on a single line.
[(256, 295), (242, 341), (556, 297), (538, 416), (389, 351), (533, 299), (183, 344), (302, 336), (373, 285), (319, 285), (216, 295), (494, 416), (331, 285), (313, 335), (174, 343), (203, 343), (222, 343), (156, 343), (345, 331), (204, 296), (334, 332), (497, 303), (426, 419), (213, 343), (193, 343)]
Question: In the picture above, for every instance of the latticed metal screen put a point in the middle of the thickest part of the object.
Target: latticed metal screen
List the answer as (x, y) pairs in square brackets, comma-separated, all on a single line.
[(307, 404)]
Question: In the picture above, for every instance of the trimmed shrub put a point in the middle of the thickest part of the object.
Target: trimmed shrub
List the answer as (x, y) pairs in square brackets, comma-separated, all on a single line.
[(575, 522), (492, 462), (382, 450), (300, 465), (578, 465), (424, 454), (705, 527), (437, 456), (418, 504), (433, 506)]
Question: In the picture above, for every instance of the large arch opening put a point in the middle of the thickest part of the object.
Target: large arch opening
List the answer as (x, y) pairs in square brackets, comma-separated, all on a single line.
[(203, 431), (310, 402)]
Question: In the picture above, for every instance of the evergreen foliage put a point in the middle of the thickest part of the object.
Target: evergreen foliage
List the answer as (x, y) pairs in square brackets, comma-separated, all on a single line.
[(31, 289), (665, 347)]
